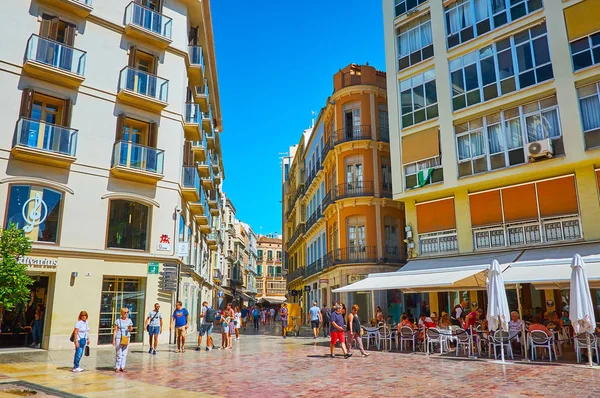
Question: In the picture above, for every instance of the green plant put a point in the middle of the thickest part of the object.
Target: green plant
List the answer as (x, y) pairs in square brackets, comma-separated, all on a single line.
[(14, 281)]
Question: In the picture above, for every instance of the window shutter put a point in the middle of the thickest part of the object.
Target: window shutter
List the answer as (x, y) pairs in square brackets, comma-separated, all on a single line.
[(45, 25), (159, 6), (188, 158), (155, 64), (120, 127), (189, 94), (132, 55), (70, 35), (193, 36), (26, 102), (66, 113), (152, 135), (54, 28)]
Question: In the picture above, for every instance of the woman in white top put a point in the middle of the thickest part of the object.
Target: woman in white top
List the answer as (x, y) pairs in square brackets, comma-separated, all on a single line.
[(122, 334), (80, 338), (237, 321)]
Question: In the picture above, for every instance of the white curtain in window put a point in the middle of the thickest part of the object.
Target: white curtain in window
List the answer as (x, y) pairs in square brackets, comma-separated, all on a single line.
[(498, 5), (455, 18), (403, 46), (463, 147), (514, 138), (414, 40), (551, 124), (426, 38), (481, 9), (477, 144), (535, 129), (495, 139), (590, 112)]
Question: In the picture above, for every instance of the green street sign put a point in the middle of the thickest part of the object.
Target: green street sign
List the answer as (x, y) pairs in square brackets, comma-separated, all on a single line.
[(153, 268)]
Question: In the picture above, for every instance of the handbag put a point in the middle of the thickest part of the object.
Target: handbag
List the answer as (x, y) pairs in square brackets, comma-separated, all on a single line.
[(148, 326), (86, 351), (124, 338)]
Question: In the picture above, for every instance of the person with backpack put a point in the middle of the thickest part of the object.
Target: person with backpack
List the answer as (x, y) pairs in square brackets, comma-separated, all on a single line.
[(326, 316), (154, 325), (256, 317), (207, 319)]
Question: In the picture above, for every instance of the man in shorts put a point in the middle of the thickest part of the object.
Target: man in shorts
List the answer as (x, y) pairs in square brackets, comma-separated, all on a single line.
[(337, 331), (315, 319), (245, 312), (206, 326), (154, 325), (283, 314), (181, 320)]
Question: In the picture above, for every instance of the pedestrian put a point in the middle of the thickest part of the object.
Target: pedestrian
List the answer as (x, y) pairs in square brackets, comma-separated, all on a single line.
[(264, 316), (224, 328), (353, 327), (237, 322), (38, 326), (283, 313), (326, 316), (154, 326), (245, 312), (315, 319), (80, 338), (337, 331), (226, 319), (181, 320), (231, 331), (207, 319), (121, 337), (343, 311), (272, 314), (255, 317)]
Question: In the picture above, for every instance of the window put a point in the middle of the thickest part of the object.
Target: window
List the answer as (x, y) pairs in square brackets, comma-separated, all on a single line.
[(415, 43), (278, 255), (356, 233), (128, 224), (354, 175), (259, 252), (589, 103), (269, 255), (418, 98), (499, 140), (36, 210), (120, 293), (585, 51), (392, 240), (424, 172), (503, 67), (383, 118), (270, 270), (403, 6), (351, 123), (259, 270), (466, 19), (386, 174), (135, 140)]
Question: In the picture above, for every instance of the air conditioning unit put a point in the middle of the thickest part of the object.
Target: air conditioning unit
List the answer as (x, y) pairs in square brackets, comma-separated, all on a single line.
[(539, 149)]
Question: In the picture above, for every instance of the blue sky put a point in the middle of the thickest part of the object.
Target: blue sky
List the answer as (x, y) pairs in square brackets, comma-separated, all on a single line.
[(275, 62)]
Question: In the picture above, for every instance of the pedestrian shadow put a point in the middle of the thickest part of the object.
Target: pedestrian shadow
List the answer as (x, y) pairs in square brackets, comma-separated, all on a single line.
[(68, 368), (323, 356)]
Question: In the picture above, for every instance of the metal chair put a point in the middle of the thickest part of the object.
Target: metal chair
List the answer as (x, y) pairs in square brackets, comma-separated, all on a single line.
[(370, 333), (385, 334), (433, 337), (539, 339), (499, 339), (463, 339), (581, 343), (408, 335)]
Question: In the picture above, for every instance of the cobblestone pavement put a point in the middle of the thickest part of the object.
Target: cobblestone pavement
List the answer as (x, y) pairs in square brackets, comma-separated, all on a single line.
[(263, 364)]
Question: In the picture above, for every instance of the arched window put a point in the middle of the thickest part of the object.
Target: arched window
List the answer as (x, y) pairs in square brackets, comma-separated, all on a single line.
[(128, 225)]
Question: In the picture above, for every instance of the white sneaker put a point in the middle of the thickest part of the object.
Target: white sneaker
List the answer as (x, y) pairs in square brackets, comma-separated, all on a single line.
[(79, 370)]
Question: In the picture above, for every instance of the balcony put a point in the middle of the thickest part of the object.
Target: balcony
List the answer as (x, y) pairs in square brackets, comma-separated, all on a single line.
[(137, 162), (210, 137), (198, 208), (351, 133), (201, 95), (312, 220), (355, 255), (55, 62), (386, 190), (191, 124), (199, 149), (384, 134), (352, 78), (204, 168), (148, 26), (211, 239), (213, 200), (208, 181), (393, 255), (326, 148), (39, 142), (195, 64), (207, 121), (218, 178), (217, 275), (299, 231), (190, 184), (354, 189), (314, 268), (530, 233), (80, 8), (438, 242), (205, 219), (143, 90), (298, 273)]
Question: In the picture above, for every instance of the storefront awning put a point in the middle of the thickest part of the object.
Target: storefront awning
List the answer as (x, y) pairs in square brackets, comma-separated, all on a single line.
[(551, 267), (436, 274), (273, 300)]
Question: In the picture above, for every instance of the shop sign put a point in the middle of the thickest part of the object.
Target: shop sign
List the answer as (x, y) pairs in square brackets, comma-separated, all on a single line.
[(153, 268), (324, 281), (164, 243), (35, 215), (36, 263), (355, 278), (183, 249), (307, 288)]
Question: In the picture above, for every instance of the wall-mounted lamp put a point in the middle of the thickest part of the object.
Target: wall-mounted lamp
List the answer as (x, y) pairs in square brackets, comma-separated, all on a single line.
[(74, 274)]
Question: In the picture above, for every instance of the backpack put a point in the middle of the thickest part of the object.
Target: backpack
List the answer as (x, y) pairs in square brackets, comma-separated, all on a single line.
[(326, 315), (210, 315), (255, 313)]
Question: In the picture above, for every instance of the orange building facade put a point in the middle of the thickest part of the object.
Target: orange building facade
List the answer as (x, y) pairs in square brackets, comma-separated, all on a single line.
[(340, 222)]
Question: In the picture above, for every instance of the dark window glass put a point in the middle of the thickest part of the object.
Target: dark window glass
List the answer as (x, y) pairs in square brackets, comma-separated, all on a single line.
[(580, 45), (42, 208), (458, 85), (544, 73), (415, 57), (490, 92), (453, 40), (464, 169), (406, 101), (128, 225), (428, 51), (502, 45), (521, 37), (505, 64), (471, 81), (582, 60), (527, 79), (466, 34), (432, 111), (516, 156), (483, 26), (595, 39), (488, 71), (540, 50), (558, 147), (596, 52), (480, 165), (500, 19), (403, 63), (407, 120), (473, 97), (517, 12), (459, 102), (534, 5), (537, 30), (430, 93), (497, 161), (524, 59), (418, 98), (411, 181), (419, 116)]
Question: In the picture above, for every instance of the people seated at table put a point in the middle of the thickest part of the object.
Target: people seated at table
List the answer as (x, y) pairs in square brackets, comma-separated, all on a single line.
[(527, 317), (434, 317), (555, 319), (404, 321), (426, 321), (472, 318), (565, 318), (445, 321), (544, 318), (379, 315), (536, 324), (515, 329)]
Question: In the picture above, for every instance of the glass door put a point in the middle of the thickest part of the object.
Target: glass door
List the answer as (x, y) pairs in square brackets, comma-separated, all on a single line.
[(354, 178), (45, 115), (120, 293), (134, 135)]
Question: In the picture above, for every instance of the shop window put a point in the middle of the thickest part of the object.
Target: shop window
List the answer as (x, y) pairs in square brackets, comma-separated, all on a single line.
[(120, 293), (128, 225), (36, 210)]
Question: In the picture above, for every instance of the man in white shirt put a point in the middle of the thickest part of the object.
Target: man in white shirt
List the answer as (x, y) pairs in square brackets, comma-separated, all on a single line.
[(154, 325)]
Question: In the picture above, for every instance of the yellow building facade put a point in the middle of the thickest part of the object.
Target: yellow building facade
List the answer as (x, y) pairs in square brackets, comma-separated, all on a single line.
[(341, 221), (495, 130)]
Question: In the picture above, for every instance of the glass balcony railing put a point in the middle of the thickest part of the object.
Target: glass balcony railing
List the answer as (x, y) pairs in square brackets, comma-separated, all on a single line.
[(207, 115), (192, 113), (138, 157), (86, 2), (148, 19), (46, 137), (144, 83), (196, 56), (55, 54), (191, 179)]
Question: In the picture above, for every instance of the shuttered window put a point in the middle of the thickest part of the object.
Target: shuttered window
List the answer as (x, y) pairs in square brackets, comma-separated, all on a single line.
[(582, 19), (557, 197), (486, 208), (519, 203), (436, 216), (420, 146)]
